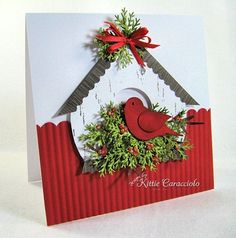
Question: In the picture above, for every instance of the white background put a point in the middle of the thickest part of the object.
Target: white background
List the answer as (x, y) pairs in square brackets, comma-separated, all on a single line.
[(210, 214)]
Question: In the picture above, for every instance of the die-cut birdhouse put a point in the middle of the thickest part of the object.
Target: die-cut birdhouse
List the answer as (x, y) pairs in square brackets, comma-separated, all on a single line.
[(106, 84)]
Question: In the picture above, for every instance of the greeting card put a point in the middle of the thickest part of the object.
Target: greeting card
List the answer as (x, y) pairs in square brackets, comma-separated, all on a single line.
[(117, 111)]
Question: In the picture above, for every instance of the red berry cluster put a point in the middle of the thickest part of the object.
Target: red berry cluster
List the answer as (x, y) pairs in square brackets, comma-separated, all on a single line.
[(98, 126), (155, 159), (149, 146), (186, 143), (103, 151), (112, 112), (178, 118), (123, 128), (134, 150)]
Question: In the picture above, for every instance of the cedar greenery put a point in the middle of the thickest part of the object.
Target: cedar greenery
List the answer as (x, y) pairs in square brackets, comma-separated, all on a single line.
[(127, 24), (112, 147)]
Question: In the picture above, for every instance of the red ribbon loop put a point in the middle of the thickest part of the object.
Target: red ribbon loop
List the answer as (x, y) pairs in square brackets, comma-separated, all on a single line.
[(114, 35)]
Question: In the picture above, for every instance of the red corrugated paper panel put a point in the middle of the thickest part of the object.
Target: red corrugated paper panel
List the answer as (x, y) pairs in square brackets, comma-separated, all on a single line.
[(70, 195)]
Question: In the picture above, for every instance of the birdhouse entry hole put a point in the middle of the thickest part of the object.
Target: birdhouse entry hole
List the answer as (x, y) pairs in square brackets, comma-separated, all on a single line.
[(126, 93)]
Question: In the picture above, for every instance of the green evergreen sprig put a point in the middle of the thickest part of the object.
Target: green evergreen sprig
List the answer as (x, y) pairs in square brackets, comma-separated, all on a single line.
[(112, 147), (127, 24)]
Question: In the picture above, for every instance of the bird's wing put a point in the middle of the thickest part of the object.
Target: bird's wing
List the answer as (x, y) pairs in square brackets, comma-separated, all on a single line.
[(151, 121)]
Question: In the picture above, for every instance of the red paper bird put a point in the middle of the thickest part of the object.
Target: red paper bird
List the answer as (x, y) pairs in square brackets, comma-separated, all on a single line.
[(143, 123)]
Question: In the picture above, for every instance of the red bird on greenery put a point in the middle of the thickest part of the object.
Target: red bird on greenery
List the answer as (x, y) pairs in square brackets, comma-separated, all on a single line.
[(143, 123)]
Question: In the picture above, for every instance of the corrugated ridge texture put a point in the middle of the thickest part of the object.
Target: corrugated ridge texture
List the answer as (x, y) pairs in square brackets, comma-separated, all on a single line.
[(70, 195)]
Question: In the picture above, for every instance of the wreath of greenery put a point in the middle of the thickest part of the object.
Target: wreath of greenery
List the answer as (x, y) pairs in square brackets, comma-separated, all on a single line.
[(112, 147), (127, 23)]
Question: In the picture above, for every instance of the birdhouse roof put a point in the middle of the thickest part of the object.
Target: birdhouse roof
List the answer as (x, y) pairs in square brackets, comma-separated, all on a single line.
[(99, 69)]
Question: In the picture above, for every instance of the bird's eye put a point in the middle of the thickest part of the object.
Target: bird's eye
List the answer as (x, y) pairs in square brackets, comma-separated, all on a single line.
[(132, 103)]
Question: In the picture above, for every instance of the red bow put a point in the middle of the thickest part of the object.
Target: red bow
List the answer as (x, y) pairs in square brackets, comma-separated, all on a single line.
[(119, 40)]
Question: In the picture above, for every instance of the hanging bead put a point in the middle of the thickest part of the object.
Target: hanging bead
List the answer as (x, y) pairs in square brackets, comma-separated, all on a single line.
[(142, 70)]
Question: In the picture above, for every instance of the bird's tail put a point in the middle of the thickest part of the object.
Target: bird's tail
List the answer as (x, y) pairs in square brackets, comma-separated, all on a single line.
[(167, 131)]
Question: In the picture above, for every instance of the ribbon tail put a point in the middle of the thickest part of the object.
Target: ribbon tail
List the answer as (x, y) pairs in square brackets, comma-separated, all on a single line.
[(136, 55)]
